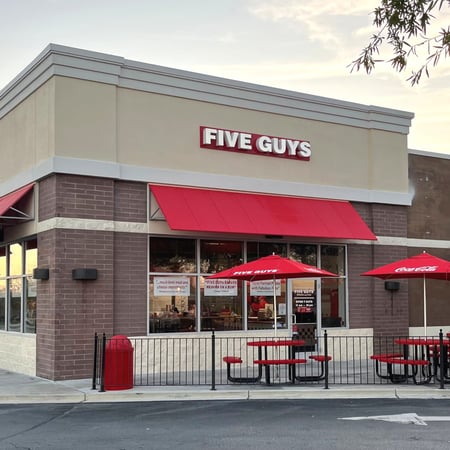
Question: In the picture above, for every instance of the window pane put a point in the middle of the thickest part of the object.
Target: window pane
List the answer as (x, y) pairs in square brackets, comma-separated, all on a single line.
[(30, 256), (2, 303), (15, 304), (257, 250), (15, 259), (333, 290), (2, 262), (30, 320), (219, 255), (172, 255), (221, 305), (306, 254), (260, 305), (333, 302), (172, 304), (333, 259)]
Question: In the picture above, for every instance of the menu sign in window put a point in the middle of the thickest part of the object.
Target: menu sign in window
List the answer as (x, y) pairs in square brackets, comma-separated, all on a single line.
[(305, 300), (171, 286), (265, 287), (222, 288)]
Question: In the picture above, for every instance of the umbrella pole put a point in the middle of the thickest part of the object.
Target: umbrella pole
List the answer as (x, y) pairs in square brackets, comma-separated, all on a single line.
[(424, 306), (275, 306), (277, 349)]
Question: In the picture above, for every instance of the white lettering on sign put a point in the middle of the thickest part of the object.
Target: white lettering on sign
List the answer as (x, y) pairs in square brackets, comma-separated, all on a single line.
[(265, 287), (416, 269), (256, 144), (220, 287), (171, 286)]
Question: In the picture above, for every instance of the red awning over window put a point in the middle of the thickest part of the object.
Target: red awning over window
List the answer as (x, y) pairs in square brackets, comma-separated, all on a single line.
[(192, 209), (9, 200)]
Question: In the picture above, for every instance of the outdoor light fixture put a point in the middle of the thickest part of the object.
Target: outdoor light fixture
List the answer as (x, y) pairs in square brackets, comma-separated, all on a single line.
[(40, 274), (392, 286), (84, 274)]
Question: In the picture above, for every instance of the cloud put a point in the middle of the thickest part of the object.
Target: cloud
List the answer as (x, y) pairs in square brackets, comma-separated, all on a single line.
[(323, 22)]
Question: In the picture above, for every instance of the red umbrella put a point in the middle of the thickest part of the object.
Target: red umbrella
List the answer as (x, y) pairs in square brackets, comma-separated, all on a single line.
[(271, 268), (423, 266)]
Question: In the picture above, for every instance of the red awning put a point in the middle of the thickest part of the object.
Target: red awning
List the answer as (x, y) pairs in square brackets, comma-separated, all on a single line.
[(192, 209), (8, 201)]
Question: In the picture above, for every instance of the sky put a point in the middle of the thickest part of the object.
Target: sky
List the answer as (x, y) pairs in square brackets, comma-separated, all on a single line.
[(300, 45)]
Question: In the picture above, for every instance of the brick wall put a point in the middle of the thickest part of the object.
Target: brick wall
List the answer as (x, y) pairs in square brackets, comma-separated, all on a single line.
[(370, 305), (429, 218), (69, 312), (130, 284)]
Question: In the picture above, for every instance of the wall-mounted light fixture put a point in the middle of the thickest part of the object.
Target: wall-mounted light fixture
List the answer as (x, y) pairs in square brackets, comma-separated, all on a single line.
[(392, 285), (40, 274), (84, 274)]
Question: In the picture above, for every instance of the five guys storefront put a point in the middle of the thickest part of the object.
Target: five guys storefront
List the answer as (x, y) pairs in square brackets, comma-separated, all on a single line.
[(127, 184)]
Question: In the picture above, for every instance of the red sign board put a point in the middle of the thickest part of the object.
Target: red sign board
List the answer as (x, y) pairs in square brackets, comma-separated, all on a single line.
[(254, 144)]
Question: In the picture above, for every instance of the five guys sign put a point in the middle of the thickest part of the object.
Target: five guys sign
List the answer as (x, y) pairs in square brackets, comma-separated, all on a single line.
[(254, 144)]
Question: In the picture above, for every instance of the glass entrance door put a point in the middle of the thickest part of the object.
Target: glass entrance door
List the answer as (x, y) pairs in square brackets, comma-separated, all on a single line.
[(306, 309)]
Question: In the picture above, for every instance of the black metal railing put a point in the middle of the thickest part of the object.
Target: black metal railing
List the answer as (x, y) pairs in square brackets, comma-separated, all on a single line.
[(199, 361)]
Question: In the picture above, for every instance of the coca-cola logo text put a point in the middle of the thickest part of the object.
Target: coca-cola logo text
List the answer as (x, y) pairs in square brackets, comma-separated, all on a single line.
[(416, 269)]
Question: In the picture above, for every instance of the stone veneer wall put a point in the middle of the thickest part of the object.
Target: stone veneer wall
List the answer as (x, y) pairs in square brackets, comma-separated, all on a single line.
[(18, 353)]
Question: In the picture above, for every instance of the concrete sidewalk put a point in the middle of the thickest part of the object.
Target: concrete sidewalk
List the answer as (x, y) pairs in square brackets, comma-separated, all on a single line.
[(16, 388)]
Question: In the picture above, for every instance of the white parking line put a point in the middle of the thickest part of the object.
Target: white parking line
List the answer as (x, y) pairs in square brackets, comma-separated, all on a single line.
[(407, 418)]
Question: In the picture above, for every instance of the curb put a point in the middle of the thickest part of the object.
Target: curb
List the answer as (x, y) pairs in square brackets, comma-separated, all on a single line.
[(43, 398)]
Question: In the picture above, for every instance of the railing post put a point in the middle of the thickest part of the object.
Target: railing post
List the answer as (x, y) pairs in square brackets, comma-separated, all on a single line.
[(441, 359), (213, 361), (94, 373), (102, 377), (325, 348)]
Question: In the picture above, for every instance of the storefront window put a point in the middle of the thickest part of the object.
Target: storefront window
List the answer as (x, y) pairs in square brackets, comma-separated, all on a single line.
[(260, 304), (304, 253), (2, 287), (172, 303), (183, 298), (31, 285), (17, 287), (2, 262), (15, 259), (2, 303), (333, 289), (216, 256), (257, 250), (221, 300), (304, 290), (15, 303), (172, 255)]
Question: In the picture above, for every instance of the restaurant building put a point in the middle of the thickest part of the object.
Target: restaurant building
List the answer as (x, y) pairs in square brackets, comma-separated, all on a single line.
[(123, 185)]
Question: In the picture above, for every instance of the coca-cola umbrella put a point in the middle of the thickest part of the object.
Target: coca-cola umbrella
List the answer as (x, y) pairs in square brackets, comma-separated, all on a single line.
[(422, 266), (273, 267)]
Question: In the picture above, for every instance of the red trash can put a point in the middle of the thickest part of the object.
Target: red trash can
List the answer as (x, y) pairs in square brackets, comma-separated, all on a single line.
[(118, 364)]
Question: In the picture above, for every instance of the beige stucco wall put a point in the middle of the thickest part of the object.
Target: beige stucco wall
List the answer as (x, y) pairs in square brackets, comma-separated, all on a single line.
[(27, 132), (75, 118), (18, 353)]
